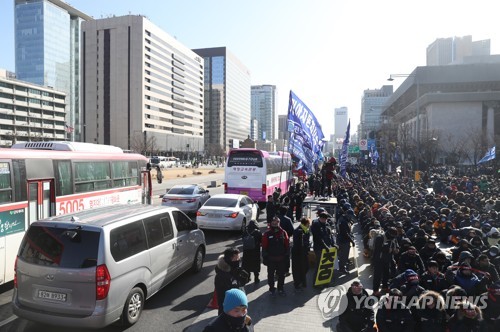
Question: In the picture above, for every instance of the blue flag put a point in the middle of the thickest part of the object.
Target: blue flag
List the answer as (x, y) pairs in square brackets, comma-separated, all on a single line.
[(345, 151), (490, 155), (306, 136)]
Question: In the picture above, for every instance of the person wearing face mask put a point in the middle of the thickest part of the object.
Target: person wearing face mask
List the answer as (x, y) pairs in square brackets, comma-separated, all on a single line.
[(359, 315), (469, 281), (276, 255), (467, 318), (234, 316), (484, 265), (432, 279), (228, 274), (492, 310), (393, 315)]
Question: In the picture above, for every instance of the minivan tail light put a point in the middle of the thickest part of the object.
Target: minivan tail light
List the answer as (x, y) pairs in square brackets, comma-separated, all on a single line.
[(102, 282), (264, 189), (15, 272)]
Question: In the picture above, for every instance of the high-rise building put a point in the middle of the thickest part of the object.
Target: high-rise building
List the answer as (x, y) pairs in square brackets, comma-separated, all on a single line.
[(372, 106), (340, 120), (453, 50), (47, 46), (30, 112), (283, 126), (143, 89), (227, 98), (263, 108)]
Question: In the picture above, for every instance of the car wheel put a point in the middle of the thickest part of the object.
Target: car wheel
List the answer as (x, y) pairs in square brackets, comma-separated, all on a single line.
[(198, 260), (133, 307), (243, 225)]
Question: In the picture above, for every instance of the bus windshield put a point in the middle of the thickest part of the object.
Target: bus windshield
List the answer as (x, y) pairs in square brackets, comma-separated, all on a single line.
[(245, 158)]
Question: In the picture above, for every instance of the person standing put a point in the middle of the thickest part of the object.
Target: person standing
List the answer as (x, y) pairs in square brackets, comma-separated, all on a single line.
[(276, 254), (300, 253), (251, 257), (271, 208), (323, 238), (228, 274), (234, 316), (344, 241)]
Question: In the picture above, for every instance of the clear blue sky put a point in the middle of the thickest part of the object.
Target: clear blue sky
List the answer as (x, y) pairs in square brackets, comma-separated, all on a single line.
[(326, 51)]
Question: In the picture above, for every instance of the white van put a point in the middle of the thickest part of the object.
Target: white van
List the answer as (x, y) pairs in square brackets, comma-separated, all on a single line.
[(164, 162), (92, 268)]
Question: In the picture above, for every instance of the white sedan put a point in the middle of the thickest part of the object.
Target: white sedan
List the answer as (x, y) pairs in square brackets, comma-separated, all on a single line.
[(227, 212)]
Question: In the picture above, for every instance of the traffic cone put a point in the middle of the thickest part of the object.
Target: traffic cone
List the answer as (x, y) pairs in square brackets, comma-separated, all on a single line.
[(213, 302)]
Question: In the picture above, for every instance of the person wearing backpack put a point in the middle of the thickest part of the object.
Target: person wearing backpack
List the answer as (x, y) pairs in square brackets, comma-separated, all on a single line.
[(252, 244)]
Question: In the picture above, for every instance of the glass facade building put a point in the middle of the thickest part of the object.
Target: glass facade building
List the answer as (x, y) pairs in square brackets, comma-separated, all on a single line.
[(264, 111), (47, 44), (227, 97)]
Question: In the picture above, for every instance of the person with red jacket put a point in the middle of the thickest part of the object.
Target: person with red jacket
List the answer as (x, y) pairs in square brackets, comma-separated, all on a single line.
[(276, 255)]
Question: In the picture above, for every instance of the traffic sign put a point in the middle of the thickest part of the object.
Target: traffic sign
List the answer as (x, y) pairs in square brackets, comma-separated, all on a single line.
[(363, 144), (354, 149)]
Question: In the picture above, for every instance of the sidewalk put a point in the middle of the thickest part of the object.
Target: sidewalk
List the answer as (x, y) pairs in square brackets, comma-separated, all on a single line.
[(297, 311), (6, 314)]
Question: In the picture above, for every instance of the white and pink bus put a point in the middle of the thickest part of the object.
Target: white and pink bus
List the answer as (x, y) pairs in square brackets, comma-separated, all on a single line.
[(43, 179), (257, 173)]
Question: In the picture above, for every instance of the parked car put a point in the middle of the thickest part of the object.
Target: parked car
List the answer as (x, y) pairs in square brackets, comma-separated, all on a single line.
[(94, 267), (186, 164), (188, 198), (227, 212)]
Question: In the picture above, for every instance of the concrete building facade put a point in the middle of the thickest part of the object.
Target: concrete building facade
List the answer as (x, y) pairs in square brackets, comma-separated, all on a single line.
[(227, 98), (48, 48), (30, 112), (141, 86), (341, 118), (456, 108), (372, 105), (454, 50)]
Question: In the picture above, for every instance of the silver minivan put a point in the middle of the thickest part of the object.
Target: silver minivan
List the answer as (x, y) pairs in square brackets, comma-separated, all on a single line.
[(95, 267)]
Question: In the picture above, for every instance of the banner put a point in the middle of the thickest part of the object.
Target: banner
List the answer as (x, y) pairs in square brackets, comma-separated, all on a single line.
[(326, 266), (306, 136), (345, 153), (490, 155)]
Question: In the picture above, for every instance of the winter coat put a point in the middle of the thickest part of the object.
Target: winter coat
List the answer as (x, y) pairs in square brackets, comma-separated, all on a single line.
[(287, 224), (395, 320), (275, 246), (301, 242), (222, 324), (225, 279), (430, 320), (406, 261), (322, 235), (251, 258), (457, 324), (469, 284), (435, 283), (354, 317), (491, 313)]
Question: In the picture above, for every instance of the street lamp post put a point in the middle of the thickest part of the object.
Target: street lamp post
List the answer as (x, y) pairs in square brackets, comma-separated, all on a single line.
[(417, 112)]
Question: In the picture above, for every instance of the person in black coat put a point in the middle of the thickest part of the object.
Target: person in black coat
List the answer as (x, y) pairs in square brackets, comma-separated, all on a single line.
[(271, 208), (491, 313), (300, 251), (234, 316), (433, 279), (411, 260), (229, 274), (355, 317), (393, 315), (251, 257), (467, 318), (430, 316), (285, 222)]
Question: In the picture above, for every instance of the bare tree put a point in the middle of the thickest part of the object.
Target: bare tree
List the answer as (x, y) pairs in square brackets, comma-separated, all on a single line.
[(143, 145)]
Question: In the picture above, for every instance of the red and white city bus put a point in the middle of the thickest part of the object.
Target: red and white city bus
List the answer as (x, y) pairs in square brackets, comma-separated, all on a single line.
[(256, 173), (43, 179)]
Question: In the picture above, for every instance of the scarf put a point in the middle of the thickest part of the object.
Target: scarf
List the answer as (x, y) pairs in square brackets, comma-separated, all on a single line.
[(305, 229)]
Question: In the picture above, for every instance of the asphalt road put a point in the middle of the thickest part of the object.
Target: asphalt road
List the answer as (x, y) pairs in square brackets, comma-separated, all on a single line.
[(176, 306)]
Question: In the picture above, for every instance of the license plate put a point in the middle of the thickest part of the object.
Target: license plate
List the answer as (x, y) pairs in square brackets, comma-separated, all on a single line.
[(52, 296), (244, 193), (213, 215)]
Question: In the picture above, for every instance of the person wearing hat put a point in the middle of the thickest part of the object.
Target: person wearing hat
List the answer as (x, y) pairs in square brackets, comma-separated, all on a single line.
[(467, 317), (410, 259), (345, 239), (393, 315), (234, 316), (469, 281), (484, 265), (431, 314), (229, 274), (385, 248), (359, 315), (323, 238)]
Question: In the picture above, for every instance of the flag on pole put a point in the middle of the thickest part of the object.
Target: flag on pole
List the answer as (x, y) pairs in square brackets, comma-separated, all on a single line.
[(306, 136), (68, 128), (490, 155), (345, 151)]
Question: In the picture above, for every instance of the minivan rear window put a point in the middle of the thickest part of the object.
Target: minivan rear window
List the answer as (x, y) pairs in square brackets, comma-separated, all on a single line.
[(61, 247)]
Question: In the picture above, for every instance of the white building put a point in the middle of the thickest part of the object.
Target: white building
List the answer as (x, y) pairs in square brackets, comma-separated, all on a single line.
[(140, 83), (30, 112), (341, 118)]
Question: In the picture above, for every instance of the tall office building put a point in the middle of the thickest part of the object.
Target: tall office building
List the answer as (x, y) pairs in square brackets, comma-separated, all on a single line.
[(47, 46), (227, 98), (139, 83), (372, 106), (263, 108), (453, 50), (341, 118), (283, 126)]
